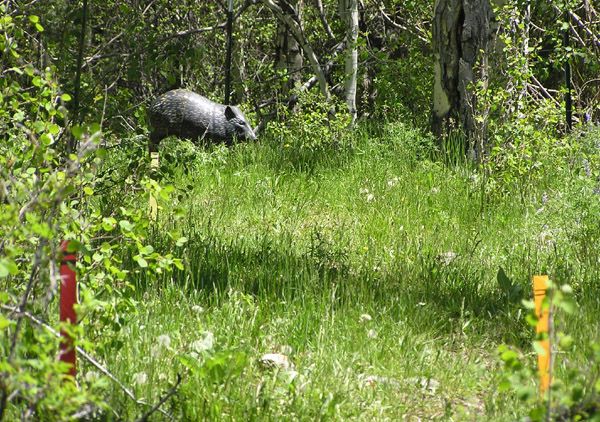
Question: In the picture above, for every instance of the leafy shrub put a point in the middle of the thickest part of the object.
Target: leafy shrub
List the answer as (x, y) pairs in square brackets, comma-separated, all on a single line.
[(574, 392), (46, 197), (316, 133)]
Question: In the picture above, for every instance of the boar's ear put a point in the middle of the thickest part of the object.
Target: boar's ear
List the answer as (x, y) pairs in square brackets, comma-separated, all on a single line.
[(229, 113)]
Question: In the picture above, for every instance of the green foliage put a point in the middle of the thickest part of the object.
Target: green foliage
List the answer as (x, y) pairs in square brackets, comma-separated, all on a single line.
[(47, 197), (525, 121), (574, 392), (383, 266), (313, 133)]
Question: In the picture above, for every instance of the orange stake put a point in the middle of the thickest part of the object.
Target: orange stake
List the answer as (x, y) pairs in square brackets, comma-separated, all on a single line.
[(540, 284), (153, 204)]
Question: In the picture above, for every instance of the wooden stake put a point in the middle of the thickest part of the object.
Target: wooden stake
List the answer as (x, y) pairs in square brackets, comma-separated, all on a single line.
[(68, 300), (540, 284), (154, 157)]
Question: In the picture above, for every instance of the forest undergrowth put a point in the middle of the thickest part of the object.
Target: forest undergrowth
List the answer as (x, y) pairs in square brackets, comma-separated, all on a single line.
[(384, 272)]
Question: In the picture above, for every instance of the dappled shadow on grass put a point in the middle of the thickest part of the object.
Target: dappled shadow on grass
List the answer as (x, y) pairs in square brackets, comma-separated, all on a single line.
[(442, 298)]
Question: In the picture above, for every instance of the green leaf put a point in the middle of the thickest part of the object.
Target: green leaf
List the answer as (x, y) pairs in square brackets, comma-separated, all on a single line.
[(504, 385), (34, 18), (46, 139), (525, 392), (190, 363), (74, 246), (65, 97), (146, 250), (77, 131), (568, 304), (95, 127), (538, 413), (181, 241), (566, 289), (539, 349), (39, 27), (528, 304), (108, 223), (577, 393), (8, 267), (141, 261), (3, 322), (126, 225), (566, 342), (509, 355), (531, 320)]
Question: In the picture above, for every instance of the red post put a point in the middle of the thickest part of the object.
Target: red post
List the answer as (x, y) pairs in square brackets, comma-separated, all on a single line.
[(68, 299)]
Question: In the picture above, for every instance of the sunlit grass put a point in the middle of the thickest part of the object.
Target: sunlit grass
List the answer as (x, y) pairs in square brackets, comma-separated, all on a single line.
[(373, 269)]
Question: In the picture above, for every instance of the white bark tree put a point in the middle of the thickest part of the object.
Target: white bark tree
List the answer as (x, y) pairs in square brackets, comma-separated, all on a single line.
[(288, 52), (349, 13), (296, 30)]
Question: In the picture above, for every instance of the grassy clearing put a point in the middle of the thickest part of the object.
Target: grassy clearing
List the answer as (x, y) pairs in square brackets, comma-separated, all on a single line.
[(373, 268)]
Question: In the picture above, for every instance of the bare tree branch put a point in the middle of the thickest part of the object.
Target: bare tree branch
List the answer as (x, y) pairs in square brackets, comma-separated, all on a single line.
[(324, 20), (164, 398), (397, 25), (85, 355), (296, 30), (583, 26)]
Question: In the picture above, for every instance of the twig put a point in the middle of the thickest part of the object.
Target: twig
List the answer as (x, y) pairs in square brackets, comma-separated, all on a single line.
[(397, 25), (86, 356), (584, 27), (206, 28), (544, 90), (324, 20), (162, 401)]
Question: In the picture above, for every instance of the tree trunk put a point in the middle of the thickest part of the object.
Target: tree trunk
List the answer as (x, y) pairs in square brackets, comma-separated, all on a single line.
[(349, 12), (239, 66), (229, 28), (296, 30), (288, 52), (461, 29), (72, 143)]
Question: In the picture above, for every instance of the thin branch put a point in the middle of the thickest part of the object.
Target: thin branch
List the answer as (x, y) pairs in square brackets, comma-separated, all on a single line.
[(97, 55), (221, 25), (85, 355), (545, 91), (163, 400), (293, 99), (397, 25), (179, 34), (581, 24), (324, 20), (585, 28), (292, 22)]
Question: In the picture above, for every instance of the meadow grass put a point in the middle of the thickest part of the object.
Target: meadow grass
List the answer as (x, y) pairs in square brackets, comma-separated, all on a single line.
[(372, 266)]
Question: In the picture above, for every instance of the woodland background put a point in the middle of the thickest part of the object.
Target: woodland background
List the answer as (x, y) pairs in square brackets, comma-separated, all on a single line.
[(369, 257)]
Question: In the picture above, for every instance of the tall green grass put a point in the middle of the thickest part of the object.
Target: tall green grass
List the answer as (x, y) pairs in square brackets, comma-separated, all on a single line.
[(289, 250)]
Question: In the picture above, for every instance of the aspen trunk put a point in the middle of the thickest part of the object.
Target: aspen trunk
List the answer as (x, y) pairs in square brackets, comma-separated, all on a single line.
[(461, 31), (298, 33), (349, 12), (288, 52)]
